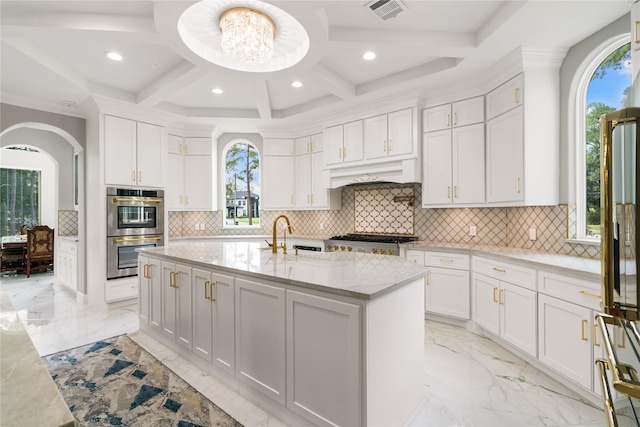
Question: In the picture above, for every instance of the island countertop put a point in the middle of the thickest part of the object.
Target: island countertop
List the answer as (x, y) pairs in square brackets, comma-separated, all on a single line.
[(358, 275)]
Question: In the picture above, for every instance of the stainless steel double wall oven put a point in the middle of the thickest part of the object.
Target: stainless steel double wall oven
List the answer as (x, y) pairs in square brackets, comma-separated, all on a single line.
[(135, 219)]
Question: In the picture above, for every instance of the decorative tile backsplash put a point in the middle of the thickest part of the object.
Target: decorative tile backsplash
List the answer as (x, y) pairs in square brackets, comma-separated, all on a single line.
[(387, 210), (495, 226), (68, 223)]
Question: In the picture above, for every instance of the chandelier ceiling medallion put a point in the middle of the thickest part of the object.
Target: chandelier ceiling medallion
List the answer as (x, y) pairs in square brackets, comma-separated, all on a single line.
[(247, 35), (244, 38)]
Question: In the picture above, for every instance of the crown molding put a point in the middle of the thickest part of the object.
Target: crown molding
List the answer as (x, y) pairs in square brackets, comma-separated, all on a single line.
[(42, 105)]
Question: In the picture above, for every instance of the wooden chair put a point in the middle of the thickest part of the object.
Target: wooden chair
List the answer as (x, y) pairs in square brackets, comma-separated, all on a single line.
[(39, 249), (12, 259)]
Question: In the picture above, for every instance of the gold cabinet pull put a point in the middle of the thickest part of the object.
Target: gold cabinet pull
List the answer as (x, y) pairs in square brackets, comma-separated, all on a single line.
[(501, 296), (147, 275), (181, 199), (206, 287), (311, 198), (135, 239), (447, 260), (448, 119), (175, 279), (448, 192), (186, 148), (133, 176), (499, 270), (186, 200), (389, 145), (426, 277), (171, 273), (517, 95), (384, 145), (340, 153), (495, 298), (595, 335), (344, 153), (589, 294), (517, 185), (583, 324), (213, 285), (139, 176), (455, 191), (455, 119)]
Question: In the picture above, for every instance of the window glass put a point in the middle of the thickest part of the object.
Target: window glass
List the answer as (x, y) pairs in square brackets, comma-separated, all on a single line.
[(242, 185), (19, 200)]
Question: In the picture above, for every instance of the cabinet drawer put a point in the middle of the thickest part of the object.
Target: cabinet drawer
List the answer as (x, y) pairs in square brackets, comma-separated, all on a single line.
[(446, 260), (577, 291), (120, 291), (66, 246), (515, 274), (416, 256)]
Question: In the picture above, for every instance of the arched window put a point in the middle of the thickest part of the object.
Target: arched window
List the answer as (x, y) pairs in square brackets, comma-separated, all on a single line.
[(242, 185), (602, 88)]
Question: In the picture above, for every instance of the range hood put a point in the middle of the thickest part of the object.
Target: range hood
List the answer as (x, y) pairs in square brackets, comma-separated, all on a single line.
[(401, 171)]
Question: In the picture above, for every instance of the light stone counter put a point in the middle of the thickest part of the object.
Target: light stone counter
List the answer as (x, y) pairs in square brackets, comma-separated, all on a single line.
[(585, 267), (28, 395), (358, 275)]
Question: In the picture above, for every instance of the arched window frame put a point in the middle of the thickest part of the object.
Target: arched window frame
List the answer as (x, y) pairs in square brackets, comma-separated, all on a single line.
[(223, 168), (584, 74)]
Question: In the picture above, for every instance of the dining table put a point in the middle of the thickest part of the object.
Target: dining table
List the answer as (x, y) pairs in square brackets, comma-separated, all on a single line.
[(13, 252)]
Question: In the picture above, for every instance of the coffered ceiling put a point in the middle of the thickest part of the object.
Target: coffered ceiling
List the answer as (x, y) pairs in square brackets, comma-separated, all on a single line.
[(52, 52)]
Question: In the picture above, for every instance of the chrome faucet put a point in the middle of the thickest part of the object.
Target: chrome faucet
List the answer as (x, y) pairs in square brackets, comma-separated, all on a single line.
[(274, 244)]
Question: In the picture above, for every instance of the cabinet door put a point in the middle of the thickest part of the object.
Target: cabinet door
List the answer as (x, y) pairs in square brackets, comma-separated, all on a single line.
[(224, 333), (120, 151), (324, 385), (144, 292), (149, 155), (447, 292), (319, 194), (468, 112), (564, 338), (174, 144), (436, 182), (155, 288), (277, 182), (518, 311), (468, 164), (260, 338), (486, 312), (333, 145), (505, 157), (168, 300), (400, 133), (197, 182), (303, 145), (303, 181), (505, 97), (375, 137), (436, 118), (353, 150), (316, 143), (183, 309), (202, 313), (174, 192), (197, 146)]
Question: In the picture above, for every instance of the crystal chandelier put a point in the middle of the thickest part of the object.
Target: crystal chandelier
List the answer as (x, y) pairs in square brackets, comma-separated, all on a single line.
[(247, 35)]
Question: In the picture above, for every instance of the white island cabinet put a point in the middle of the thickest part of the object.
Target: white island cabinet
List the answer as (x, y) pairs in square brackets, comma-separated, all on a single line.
[(314, 339)]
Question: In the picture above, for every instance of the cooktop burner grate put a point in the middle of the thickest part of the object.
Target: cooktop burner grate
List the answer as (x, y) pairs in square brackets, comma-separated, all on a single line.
[(375, 238)]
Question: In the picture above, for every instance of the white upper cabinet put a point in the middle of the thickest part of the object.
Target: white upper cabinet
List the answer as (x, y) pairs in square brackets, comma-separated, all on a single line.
[(461, 113), (506, 97), (134, 153), (310, 179), (343, 143), (389, 134), (277, 174), (190, 186), (309, 144), (505, 157)]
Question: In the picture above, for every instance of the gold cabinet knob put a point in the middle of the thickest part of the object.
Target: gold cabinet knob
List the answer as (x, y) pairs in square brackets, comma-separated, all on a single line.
[(335, 247), (390, 252), (342, 248), (374, 251), (349, 248)]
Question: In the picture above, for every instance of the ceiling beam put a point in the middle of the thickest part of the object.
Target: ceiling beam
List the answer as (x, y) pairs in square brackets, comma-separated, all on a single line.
[(82, 21), (427, 40), (177, 79), (334, 83), (261, 97)]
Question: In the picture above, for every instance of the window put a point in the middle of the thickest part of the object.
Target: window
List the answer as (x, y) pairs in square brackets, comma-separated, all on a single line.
[(603, 87), (19, 200), (242, 185)]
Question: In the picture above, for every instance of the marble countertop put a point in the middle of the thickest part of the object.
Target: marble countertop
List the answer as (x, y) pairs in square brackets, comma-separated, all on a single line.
[(28, 396), (585, 266), (363, 276)]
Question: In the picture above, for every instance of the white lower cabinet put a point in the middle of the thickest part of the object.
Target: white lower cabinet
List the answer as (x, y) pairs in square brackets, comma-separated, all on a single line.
[(150, 291), (324, 385), (213, 318), (447, 289), (176, 302), (566, 339), (66, 263), (260, 337), (506, 310)]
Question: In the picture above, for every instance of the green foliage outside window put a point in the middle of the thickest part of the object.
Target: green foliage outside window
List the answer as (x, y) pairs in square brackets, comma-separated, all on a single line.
[(19, 199)]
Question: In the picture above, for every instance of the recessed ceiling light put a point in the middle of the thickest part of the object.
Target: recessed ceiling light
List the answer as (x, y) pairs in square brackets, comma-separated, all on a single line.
[(114, 56), (369, 56), (296, 84), (217, 91)]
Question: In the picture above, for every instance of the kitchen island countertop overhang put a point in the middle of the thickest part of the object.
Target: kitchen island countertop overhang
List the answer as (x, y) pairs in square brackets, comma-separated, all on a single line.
[(358, 275)]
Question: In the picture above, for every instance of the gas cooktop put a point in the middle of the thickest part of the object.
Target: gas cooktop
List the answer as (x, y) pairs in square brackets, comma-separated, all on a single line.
[(375, 238)]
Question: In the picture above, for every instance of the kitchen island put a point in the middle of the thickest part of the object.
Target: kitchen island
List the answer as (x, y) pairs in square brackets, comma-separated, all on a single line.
[(314, 339)]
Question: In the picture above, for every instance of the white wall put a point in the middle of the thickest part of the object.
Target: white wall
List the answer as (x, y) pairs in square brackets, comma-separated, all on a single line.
[(29, 160)]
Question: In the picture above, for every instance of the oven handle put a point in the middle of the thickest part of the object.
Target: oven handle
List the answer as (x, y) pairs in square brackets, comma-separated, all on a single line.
[(137, 199), (135, 239)]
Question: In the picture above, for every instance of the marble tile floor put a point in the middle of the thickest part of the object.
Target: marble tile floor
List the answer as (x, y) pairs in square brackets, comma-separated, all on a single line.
[(469, 380)]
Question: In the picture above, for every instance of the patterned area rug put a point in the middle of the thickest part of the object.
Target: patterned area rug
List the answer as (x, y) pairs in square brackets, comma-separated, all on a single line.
[(117, 383)]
